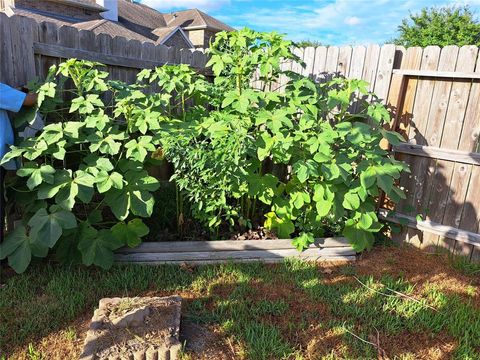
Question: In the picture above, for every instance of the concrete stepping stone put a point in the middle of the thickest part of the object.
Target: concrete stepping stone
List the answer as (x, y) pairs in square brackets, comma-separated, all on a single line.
[(139, 328)]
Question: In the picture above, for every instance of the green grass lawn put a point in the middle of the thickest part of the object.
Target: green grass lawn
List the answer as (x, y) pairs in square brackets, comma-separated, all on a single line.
[(397, 302)]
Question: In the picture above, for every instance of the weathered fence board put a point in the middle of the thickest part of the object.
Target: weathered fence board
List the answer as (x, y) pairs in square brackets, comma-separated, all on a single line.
[(464, 157)]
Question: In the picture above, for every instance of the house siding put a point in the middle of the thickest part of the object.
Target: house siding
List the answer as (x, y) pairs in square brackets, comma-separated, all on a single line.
[(196, 37), (201, 38), (177, 40)]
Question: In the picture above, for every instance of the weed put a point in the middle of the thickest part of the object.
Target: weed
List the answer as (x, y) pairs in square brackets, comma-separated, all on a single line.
[(71, 334), (464, 265), (33, 354)]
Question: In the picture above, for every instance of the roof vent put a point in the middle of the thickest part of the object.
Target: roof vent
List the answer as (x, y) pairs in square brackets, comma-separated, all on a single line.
[(112, 9)]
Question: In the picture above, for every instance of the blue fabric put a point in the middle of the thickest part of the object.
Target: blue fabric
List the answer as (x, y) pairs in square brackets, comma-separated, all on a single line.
[(10, 100)]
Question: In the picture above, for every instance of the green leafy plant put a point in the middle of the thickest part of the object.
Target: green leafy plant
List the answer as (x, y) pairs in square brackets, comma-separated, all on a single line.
[(82, 187), (296, 160)]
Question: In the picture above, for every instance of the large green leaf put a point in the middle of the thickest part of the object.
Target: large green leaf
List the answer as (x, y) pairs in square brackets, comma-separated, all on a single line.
[(303, 241), (283, 226), (47, 228), (119, 202), (360, 239), (264, 146), (36, 174), (21, 257), (351, 201), (130, 233), (98, 250), (106, 181), (323, 198), (17, 247), (138, 149)]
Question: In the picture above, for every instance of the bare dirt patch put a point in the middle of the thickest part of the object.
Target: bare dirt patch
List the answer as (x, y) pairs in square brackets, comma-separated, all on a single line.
[(419, 268)]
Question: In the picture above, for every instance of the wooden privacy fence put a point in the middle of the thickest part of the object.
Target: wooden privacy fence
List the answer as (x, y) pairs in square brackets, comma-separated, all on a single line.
[(433, 94), (28, 49)]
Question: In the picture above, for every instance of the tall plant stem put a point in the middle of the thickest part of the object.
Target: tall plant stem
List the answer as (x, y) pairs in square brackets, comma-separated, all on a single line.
[(254, 207), (183, 107), (177, 205)]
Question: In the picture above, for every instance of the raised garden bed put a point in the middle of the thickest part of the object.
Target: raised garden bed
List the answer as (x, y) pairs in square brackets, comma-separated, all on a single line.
[(209, 252)]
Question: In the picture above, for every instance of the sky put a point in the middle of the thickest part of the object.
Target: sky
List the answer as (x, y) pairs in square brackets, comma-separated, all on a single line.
[(332, 22)]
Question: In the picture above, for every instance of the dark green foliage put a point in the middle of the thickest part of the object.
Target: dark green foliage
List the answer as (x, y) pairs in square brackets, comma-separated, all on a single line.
[(308, 43), (299, 158), (440, 26)]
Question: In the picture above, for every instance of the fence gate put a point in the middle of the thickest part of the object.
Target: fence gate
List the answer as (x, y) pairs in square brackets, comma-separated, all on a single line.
[(438, 112)]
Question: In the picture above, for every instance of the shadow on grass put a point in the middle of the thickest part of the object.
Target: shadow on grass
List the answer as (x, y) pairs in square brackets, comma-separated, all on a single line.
[(268, 310)]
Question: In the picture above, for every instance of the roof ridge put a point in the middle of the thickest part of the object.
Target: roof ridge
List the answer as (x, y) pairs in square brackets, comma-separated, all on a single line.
[(97, 24), (201, 13)]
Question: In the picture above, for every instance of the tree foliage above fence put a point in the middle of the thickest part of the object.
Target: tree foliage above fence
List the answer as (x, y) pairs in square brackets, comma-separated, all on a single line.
[(440, 26), (297, 161)]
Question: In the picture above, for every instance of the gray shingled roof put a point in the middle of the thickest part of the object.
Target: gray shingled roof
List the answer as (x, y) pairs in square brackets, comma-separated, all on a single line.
[(140, 14), (135, 20), (111, 28), (98, 26), (90, 4), (193, 18)]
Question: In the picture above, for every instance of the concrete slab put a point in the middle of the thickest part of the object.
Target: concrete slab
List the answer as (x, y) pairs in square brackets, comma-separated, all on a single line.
[(140, 328)]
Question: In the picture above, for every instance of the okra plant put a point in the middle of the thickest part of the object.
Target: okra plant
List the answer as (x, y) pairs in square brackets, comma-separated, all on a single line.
[(295, 159)]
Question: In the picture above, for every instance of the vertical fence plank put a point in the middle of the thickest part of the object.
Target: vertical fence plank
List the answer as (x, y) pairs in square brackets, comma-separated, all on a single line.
[(384, 72), (344, 59), (421, 167), (460, 91), (134, 51), (356, 69), (296, 66), (119, 48), (332, 60), (161, 54), (319, 64), (371, 65), (411, 61), (105, 47), (6, 60), (470, 137), (456, 118), (430, 59), (395, 92), (470, 218), (357, 63), (48, 34), (309, 60), (69, 37), (436, 191), (22, 50)]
